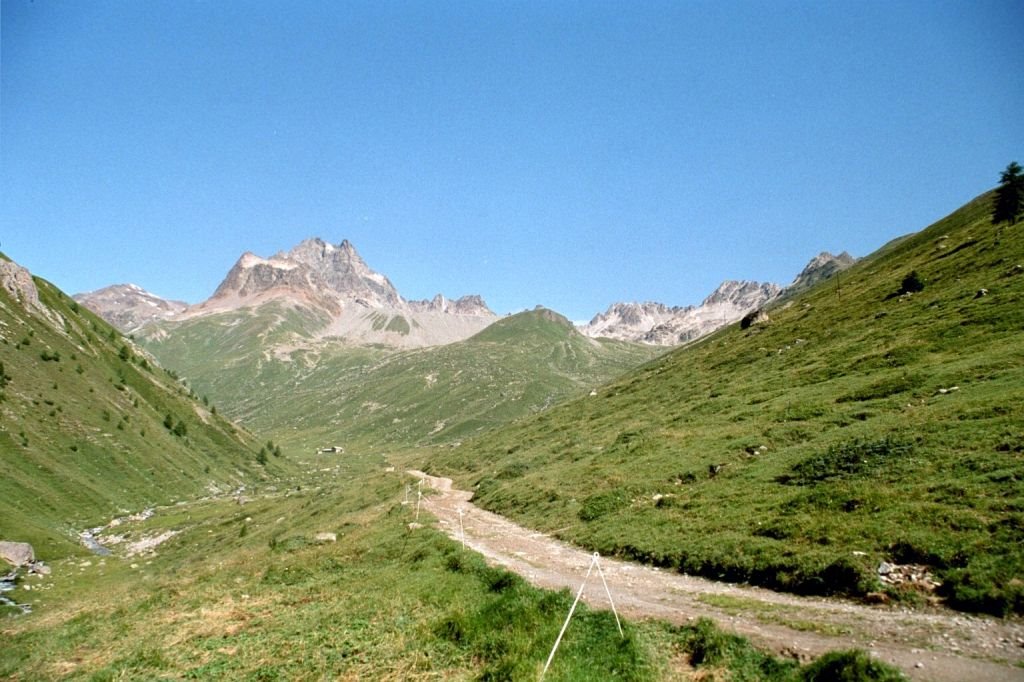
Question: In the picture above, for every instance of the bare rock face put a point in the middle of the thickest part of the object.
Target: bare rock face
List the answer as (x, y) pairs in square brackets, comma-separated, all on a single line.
[(658, 324), (341, 269), (467, 305), (818, 269), (128, 306), (252, 276), (18, 282), (353, 302), (17, 553), (635, 322)]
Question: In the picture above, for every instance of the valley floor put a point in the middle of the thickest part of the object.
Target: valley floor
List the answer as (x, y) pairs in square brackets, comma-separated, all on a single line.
[(934, 645)]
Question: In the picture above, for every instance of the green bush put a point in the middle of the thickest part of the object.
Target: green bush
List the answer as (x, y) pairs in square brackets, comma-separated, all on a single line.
[(912, 283), (596, 506), (710, 647), (850, 666), (852, 458)]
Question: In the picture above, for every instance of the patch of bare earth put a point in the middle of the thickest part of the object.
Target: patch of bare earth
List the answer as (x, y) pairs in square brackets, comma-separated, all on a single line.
[(934, 644)]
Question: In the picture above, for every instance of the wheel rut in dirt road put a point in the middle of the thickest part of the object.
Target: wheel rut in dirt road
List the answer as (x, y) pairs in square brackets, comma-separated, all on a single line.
[(937, 645)]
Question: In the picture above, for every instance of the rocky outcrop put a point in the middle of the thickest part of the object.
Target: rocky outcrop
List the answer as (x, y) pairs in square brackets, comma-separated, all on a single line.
[(18, 283), (129, 307), (754, 317)]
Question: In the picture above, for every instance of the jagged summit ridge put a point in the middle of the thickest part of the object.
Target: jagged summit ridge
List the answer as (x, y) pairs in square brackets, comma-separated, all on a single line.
[(330, 276), (349, 300), (660, 324), (342, 270), (467, 305)]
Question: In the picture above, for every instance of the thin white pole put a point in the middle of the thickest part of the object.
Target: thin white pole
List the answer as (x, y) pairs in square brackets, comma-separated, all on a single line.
[(419, 497), (609, 593), (567, 619)]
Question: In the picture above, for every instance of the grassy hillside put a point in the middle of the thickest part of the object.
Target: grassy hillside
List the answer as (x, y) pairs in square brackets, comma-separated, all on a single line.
[(861, 423), (366, 397), (228, 357), (89, 426)]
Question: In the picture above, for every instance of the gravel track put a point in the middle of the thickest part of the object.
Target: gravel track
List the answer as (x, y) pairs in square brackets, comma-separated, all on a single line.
[(936, 645)]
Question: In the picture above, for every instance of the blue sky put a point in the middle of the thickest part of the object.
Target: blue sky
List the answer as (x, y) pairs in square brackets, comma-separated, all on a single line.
[(570, 154)]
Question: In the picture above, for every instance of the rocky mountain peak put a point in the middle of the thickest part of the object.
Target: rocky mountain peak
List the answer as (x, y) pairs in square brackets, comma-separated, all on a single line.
[(826, 261), (818, 269), (128, 306), (742, 293), (351, 300), (342, 270), (659, 324)]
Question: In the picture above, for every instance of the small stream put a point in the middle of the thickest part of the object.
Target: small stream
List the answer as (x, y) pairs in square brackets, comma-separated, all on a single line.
[(7, 585), (89, 540)]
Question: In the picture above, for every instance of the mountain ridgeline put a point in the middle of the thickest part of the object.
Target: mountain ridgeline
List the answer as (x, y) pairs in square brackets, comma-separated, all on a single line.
[(868, 421), (337, 296), (308, 345), (313, 346), (659, 324), (92, 427)]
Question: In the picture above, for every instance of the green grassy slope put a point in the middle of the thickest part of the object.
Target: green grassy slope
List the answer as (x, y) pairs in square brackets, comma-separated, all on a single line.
[(225, 356), (82, 432), (858, 425), (370, 398)]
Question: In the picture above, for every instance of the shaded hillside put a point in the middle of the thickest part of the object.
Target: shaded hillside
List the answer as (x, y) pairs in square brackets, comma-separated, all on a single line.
[(92, 428), (859, 423)]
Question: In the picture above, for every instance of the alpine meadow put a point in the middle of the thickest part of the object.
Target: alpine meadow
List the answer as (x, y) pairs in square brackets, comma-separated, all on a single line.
[(858, 438), (511, 341)]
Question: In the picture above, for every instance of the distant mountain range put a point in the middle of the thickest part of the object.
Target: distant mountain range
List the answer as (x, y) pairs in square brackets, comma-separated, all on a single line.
[(360, 306), (658, 324), (349, 300)]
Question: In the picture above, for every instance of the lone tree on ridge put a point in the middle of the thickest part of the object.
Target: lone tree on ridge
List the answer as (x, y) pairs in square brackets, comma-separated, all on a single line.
[(1009, 202)]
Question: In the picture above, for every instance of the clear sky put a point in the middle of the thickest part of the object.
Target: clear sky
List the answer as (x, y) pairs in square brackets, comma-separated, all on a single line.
[(570, 154)]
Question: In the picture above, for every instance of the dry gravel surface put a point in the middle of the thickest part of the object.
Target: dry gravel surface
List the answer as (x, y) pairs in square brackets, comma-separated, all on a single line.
[(934, 644)]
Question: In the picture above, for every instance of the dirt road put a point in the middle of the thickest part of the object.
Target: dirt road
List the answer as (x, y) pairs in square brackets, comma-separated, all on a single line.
[(939, 645)]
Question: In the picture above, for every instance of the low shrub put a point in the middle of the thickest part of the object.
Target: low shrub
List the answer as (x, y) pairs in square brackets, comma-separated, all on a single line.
[(849, 666), (851, 458)]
